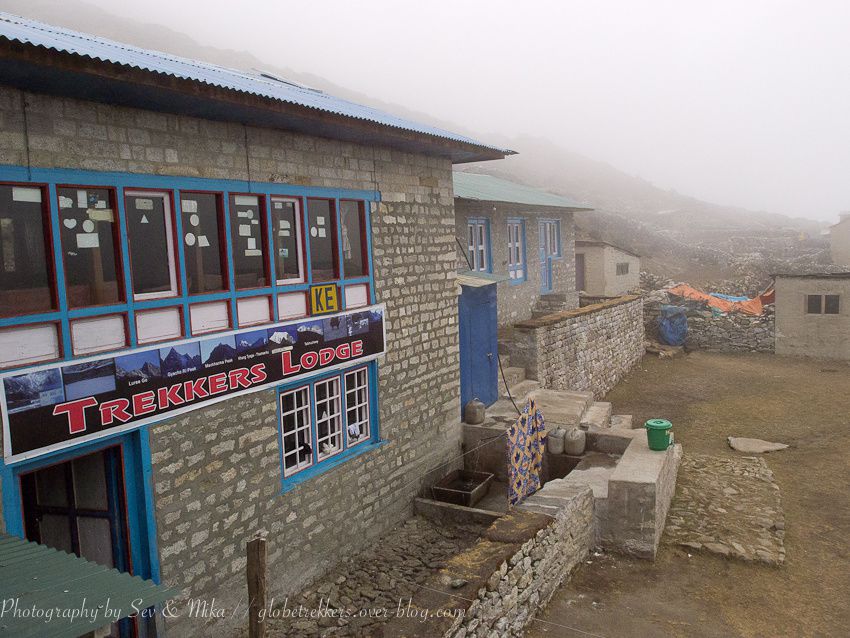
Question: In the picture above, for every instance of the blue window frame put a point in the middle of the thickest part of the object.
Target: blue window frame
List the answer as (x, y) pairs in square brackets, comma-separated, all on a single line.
[(517, 270), (551, 237), (478, 244), (258, 239), (326, 420)]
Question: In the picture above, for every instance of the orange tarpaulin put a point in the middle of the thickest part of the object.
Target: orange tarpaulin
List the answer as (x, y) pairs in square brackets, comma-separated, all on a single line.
[(750, 306)]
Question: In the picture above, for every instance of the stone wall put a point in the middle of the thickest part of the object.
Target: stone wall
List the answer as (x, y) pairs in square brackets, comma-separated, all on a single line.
[(733, 332), (516, 299), (216, 472), (588, 349), (497, 586)]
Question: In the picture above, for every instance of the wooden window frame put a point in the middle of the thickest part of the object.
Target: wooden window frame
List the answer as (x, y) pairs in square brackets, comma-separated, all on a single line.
[(171, 240)]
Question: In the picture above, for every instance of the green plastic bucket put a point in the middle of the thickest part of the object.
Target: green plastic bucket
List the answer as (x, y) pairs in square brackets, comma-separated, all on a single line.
[(658, 434)]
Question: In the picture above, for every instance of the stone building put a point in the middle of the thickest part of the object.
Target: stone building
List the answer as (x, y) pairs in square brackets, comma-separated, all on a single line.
[(839, 241), (227, 306), (605, 270), (813, 315), (523, 236)]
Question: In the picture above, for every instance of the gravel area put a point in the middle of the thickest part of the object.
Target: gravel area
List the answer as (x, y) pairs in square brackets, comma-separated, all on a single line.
[(729, 506), (376, 579)]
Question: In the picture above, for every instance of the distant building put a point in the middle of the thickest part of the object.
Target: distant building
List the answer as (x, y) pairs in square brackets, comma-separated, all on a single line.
[(813, 315), (520, 235), (605, 270), (839, 241)]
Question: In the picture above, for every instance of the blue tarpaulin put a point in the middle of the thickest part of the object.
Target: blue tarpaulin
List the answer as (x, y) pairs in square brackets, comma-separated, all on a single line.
[(728, 297), (673, 325)]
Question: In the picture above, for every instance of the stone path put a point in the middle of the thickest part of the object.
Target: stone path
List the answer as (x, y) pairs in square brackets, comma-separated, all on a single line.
[(729, 506), (377, 578)]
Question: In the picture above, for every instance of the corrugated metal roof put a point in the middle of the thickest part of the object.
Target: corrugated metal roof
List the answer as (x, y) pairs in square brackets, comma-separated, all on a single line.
[(493, 189), (18, 29), (46, 579)]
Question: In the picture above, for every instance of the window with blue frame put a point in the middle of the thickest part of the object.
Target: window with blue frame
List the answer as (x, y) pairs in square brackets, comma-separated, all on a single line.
[(323, 420), (516, 250), (551, 237), (478, 244), (96, 262)]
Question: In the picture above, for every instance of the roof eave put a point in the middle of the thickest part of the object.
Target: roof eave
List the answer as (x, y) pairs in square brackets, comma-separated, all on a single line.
[(42, 70), (563, 209)]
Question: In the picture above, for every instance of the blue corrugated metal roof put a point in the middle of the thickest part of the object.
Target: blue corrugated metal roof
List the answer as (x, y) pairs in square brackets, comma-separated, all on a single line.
[(35, 33), (493, 189)]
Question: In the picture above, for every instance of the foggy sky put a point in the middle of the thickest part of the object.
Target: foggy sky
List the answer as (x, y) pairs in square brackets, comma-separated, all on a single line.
[(742, 102)]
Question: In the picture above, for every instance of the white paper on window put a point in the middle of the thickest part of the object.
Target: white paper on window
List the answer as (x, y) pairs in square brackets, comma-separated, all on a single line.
[(203, 242), (246, 200), (244, 230), (100, 214), (88, 240), (22, 194), (143, 204), (65, 202), (189, 206)]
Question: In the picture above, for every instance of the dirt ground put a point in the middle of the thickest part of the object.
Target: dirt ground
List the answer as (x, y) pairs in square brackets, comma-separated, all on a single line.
[(709, 397)]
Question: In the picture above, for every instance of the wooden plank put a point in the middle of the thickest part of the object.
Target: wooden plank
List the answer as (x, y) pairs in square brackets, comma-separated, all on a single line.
[(256, 569)]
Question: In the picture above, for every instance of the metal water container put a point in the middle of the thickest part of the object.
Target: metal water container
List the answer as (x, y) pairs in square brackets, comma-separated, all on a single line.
[(473, 412)]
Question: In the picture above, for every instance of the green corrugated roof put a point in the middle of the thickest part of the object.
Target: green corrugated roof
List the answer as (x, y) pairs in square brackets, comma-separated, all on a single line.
[(493, 189), (42, 578)]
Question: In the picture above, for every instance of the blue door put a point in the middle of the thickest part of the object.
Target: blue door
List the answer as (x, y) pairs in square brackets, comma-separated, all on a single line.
[(478, 345)]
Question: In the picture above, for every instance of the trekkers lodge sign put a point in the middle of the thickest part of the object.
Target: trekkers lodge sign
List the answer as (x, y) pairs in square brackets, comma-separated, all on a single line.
[(56, 406)]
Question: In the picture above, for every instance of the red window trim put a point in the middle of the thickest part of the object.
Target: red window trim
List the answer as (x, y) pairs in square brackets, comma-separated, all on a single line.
[(264, 235), (130, 191), (116, 238), (49, 254), (222, 243), (302, 240)]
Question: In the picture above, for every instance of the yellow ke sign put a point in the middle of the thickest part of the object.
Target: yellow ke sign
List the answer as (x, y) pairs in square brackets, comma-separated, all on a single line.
[(323, 299)]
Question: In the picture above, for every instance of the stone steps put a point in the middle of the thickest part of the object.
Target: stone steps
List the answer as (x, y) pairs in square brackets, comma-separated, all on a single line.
[(621, 422), (520, 390), (598, 415), (513, 376)]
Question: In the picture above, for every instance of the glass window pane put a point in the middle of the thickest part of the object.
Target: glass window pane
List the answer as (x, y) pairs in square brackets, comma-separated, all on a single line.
[(353, 239), (89, 234), (90, 482), (248, 235), (51, 486), (831, 305), (205, 265), (95, 540), (286, 225), (151, 251), (813, 304), (55, 531), (26, 284), (320, 220)]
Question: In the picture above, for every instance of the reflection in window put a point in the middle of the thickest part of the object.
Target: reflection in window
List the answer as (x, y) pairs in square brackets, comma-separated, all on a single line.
[(286, 224), (89, 234), (25, 277), (353, 239), (151, 245), (205, 265), (322, 239), (296, 430), (248, 236)]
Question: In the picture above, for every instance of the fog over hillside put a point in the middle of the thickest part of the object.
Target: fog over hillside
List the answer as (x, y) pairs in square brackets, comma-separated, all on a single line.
[(678, 234)]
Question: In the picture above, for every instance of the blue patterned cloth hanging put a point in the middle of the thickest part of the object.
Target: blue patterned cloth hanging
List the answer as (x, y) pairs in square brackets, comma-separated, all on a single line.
[(526, 439)]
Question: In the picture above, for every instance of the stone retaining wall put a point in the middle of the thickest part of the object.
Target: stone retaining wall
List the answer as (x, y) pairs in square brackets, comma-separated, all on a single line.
[(588, 349), (496, 587), (724, 333)]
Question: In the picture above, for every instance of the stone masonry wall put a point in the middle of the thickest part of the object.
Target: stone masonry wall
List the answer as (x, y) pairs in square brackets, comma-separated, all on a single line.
[(499, 584), (216, 471), (589, 349), (516, 300), (724, 333)]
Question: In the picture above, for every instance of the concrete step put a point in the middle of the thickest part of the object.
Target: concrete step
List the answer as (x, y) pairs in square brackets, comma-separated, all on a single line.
[(513, 376), (621, 422), (521, 390), (598, 415)]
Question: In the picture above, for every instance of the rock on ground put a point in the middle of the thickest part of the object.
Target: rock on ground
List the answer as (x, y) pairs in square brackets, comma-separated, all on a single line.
[(728, 506), (754, 446)]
